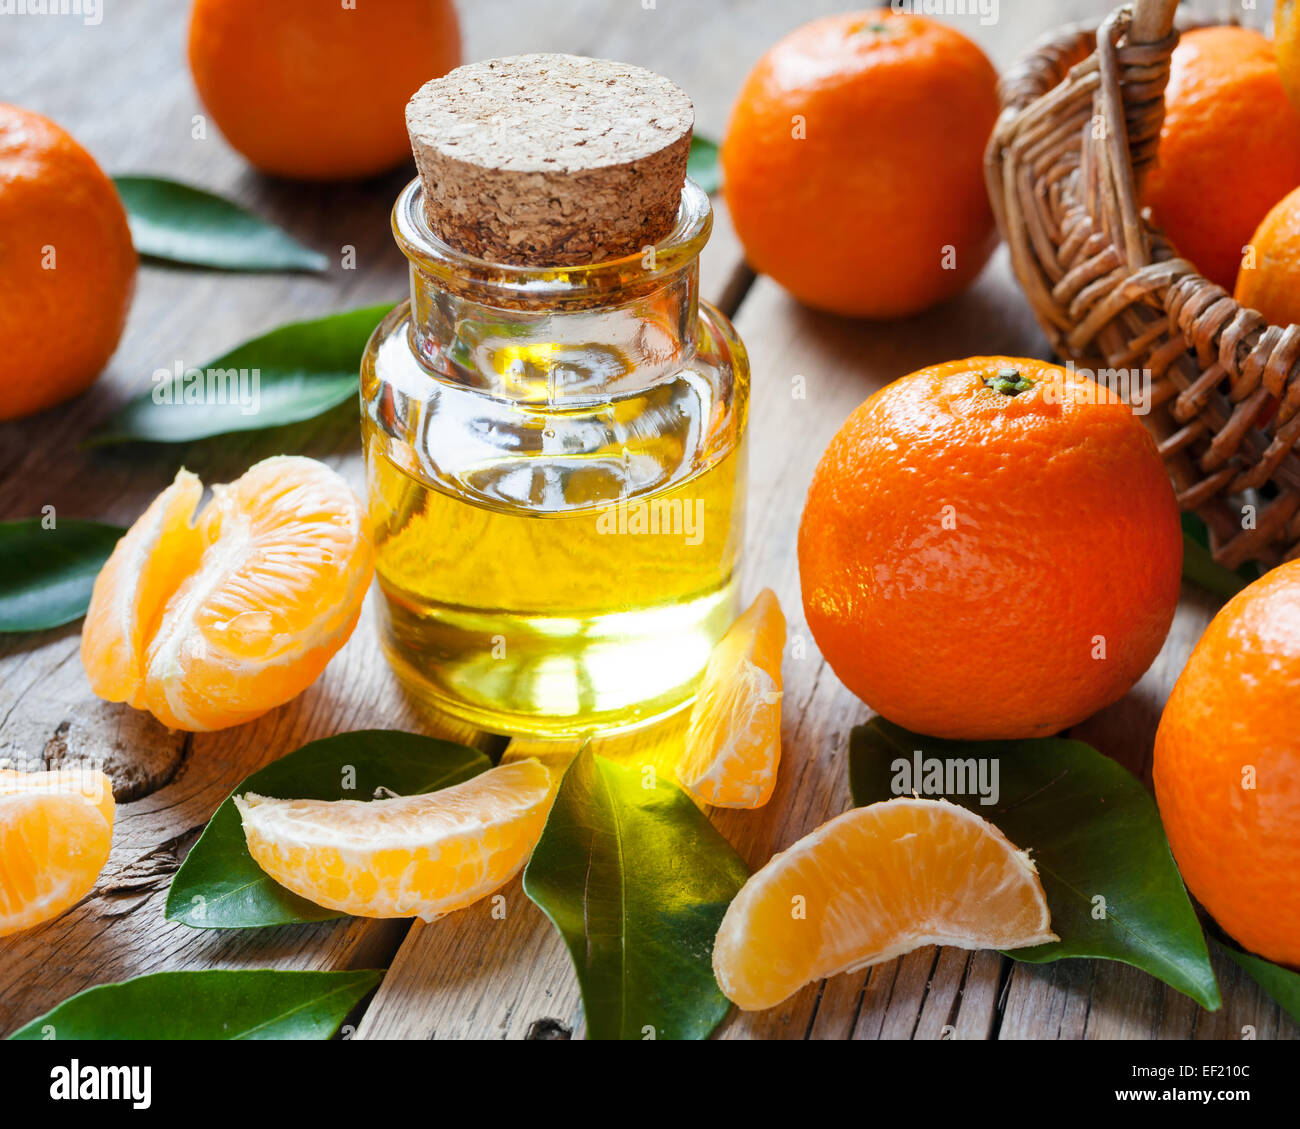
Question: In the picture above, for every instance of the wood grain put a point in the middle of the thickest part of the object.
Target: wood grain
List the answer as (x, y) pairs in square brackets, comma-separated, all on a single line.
[(475, 974)]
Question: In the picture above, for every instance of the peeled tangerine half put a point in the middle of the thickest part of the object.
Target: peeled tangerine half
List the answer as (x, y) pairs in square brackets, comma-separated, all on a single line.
[(733, 743), (871, 885), (211, 620), (412, 856), (55, 832)]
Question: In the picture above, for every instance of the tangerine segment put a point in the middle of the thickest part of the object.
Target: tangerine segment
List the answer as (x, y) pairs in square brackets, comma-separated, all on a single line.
[(211, 624), (146, 566), (733, 745), (871, 885), (277, 593), (56, 829), (412, 856)]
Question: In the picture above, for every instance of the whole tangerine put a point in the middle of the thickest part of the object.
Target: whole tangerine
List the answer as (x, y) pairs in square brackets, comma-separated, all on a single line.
[(853, 163), (1229, 147), (1269, 278), (316, 89), (67, 265), (1227, 767), (1286, 38), (990, 549)]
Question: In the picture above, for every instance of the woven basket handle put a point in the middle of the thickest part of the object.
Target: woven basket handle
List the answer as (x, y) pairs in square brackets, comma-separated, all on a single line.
[(1152, 20)]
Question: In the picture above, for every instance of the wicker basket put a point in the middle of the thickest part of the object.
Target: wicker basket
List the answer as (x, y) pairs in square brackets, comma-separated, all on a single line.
[(1080, 125)]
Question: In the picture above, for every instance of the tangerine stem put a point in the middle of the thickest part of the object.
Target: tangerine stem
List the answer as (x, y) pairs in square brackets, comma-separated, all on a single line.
[(1009, 382)]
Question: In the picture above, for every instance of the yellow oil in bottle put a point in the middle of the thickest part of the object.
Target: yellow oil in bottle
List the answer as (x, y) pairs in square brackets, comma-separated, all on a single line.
[(556, 570)]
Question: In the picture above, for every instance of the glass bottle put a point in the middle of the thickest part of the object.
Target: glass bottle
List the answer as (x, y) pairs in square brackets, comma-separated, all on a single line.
[(556, 478)]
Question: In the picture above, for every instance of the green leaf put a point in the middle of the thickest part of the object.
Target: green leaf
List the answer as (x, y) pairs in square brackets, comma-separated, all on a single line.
[(636, 880), (214, 1004), (1093, 831), (1280, 983), (46, 574), (702, 165), (302, 369), (183, 224), (219, 886), (1200, 567)]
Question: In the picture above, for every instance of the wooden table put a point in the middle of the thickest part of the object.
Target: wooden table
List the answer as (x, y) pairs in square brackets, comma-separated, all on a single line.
[(124, 90)]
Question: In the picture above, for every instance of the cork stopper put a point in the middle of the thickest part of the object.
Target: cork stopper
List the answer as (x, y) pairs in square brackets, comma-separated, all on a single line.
[(551, 160)]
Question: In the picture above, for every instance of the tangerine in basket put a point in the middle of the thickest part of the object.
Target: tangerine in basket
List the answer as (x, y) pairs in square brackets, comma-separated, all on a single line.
[(211, 621), (317, 89), (1227, 767), (1286, 37), (1229, 147), (67, 265), (55, 832), (990, 548), (853, 163), (1269, 279)]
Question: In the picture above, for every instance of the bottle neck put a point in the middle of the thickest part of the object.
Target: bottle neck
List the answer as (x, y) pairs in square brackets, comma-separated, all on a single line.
[(554, 335)]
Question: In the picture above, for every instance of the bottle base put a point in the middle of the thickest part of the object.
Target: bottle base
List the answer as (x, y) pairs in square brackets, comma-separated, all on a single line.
[(555, 677), (507, 724)]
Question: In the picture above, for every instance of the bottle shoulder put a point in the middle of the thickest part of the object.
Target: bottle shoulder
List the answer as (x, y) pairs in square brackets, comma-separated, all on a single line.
[(644, 437)]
